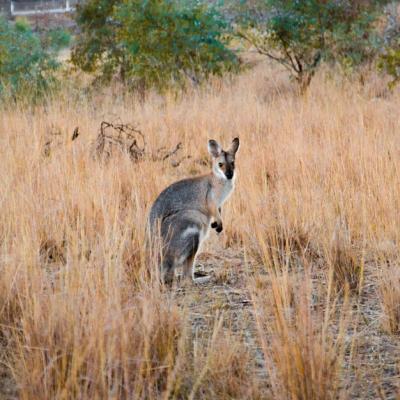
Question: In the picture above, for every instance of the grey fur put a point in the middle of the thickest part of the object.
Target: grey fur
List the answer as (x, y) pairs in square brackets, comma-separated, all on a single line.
[(183, 212)]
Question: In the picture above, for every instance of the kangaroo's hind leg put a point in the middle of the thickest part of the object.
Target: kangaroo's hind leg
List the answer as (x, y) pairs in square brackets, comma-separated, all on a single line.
[(167, 271), (188, 264), (180, 250), (182, 236), (190, 249)]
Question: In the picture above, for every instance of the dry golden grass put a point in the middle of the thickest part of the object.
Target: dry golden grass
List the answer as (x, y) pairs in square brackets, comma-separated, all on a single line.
[(390, 299), (303, 344), (317, 203)]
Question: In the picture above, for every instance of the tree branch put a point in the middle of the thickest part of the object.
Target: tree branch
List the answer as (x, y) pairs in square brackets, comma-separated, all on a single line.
[(262, 51), (299, 64)]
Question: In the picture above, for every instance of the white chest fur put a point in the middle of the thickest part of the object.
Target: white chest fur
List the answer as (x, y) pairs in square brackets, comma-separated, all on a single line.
[(225, 192)]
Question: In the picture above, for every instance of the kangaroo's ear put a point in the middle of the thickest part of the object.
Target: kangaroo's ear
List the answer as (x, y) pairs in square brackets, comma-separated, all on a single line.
[(234, 146), (214, 148)]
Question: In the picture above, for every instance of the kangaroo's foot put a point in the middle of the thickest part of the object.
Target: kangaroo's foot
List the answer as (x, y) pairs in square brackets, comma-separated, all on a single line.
[(167, 272), (202, 280), (200, 277), (187, 271), (168, 279)]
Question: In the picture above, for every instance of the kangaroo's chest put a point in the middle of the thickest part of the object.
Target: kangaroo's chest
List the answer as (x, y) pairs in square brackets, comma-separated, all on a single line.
[(224, 192)]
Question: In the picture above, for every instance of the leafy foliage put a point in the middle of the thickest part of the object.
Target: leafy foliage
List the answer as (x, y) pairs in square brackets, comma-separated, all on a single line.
[(152, 43), (301, 34), (57, 39), (390, 63), (26, 68), (96, 47)]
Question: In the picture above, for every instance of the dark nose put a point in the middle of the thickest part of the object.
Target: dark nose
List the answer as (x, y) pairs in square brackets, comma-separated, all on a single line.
[(229, 175)]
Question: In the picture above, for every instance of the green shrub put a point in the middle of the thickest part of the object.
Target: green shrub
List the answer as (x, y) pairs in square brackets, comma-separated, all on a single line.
[(57, 39), (152, 43), (301, 34), (27, 70), (389, 62)]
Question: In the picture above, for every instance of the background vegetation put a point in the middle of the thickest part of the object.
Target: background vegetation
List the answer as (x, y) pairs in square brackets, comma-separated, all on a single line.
[(173, 44), (28, 63), (152, 43), (301, 35)]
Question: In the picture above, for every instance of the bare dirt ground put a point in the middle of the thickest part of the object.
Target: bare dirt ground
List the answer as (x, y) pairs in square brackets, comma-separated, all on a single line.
[(226, 294)]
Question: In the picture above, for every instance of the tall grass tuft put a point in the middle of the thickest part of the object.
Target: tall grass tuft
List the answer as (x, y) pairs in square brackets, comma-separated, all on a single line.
[(303, 345)]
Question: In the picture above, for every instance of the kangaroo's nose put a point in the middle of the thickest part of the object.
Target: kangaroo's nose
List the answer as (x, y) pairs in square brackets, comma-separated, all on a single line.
[(229, 175)]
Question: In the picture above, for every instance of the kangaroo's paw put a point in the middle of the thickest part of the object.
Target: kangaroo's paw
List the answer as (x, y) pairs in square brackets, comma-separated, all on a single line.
[(217, 226)]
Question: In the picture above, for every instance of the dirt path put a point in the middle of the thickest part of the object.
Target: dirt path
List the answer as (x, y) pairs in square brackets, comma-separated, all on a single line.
[(375, 361)]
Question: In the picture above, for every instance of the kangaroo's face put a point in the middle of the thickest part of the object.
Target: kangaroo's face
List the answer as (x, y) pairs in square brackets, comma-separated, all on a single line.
[(223, 161)]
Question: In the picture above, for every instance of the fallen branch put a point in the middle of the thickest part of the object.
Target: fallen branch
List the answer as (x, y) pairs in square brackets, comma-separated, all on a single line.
[(127, 138), (120, 137)]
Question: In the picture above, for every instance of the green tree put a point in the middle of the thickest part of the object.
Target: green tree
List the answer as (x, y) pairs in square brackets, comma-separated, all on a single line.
[(390, 63), (27, 69), (301, 34), (389, 60), (56, 39), (152, 43)]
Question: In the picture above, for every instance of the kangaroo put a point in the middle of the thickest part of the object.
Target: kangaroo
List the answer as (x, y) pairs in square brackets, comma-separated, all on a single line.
[(183, 213)]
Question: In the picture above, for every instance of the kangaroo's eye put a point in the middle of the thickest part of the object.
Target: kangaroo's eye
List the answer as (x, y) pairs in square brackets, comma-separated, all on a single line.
[(220, 164)]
